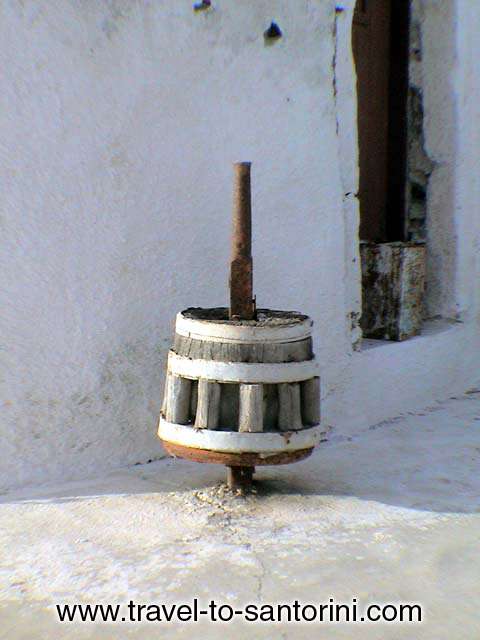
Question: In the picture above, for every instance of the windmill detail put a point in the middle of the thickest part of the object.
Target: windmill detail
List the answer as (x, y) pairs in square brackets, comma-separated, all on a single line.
[(242, 384)]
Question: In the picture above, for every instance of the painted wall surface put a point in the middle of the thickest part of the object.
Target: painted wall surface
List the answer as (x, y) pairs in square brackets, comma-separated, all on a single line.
[(120, 123)]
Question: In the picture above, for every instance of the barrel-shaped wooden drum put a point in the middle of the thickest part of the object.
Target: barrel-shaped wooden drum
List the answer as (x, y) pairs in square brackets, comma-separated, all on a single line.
[(241, 392)]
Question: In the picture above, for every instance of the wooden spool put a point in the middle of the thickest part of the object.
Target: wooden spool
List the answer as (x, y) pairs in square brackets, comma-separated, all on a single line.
[(241, 388)]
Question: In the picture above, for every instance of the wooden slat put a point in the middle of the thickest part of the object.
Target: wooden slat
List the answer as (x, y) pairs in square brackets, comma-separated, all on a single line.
[(229, 406), (208, 405), (193, 400), (289, 409), (164, 401), (251, 408), (177, 407), (270, 407), (310, 397)]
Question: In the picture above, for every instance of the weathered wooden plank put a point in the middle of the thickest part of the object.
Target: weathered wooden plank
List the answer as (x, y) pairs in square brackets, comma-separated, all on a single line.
[(208, 405), (270, 407), (229, 406), (193, 400), (393, 281), (177, 407), (251, 408), (297, 351), (310, 397), (289, 406), (164, 401)]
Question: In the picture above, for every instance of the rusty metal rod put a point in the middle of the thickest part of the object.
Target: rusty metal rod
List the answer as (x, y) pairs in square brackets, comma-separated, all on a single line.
[(240, 478), (242, 305)]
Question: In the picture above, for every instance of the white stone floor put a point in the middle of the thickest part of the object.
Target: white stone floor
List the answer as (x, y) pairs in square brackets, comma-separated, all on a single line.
[(390, 515)]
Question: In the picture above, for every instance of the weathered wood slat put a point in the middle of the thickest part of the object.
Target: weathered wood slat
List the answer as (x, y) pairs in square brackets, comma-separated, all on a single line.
[(164, 401), (297, 351), (229, 406), (251, 408), (208, 405), (310, 397), (289, 407), (270, 407), (193, 400), (177, 406)]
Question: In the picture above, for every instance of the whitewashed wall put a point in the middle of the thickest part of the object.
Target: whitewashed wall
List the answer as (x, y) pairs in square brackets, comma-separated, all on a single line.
[(119, 125)]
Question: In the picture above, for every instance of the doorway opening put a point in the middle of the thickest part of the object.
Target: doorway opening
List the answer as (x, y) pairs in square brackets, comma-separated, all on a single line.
[(393, 266)]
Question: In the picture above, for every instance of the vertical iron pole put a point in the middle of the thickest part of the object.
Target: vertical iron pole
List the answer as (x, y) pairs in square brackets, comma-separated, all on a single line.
[(240, 478), (242, 304)]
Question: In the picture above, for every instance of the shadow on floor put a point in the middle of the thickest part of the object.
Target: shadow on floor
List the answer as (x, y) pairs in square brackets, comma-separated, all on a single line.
[(428, 462)]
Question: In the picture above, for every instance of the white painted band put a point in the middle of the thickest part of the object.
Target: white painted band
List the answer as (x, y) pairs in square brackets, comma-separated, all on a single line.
[(234, 442), (223, 332), (252, 372)]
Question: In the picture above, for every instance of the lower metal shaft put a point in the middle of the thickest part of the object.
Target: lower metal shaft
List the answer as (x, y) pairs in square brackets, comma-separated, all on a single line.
[(240, 477)]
